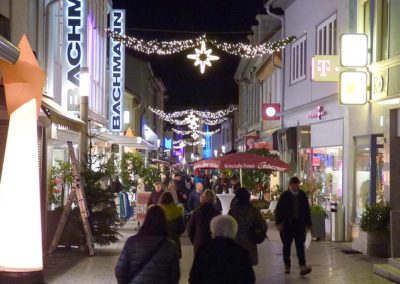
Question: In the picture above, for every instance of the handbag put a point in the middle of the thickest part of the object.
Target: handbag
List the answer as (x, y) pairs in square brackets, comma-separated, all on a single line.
[(258, 232), (146, 260)]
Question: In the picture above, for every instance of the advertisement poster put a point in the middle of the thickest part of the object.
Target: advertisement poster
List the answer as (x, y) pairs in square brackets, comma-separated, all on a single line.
[(141, 205)]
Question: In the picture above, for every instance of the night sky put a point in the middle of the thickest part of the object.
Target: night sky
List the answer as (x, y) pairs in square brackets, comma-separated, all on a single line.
[(186, 86)]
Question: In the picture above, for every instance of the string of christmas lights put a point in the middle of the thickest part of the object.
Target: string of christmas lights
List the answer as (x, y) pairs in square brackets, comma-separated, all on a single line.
[(176, 46), (182, 143), (194, 117), (187, 132), (250, 50), (202, 114)]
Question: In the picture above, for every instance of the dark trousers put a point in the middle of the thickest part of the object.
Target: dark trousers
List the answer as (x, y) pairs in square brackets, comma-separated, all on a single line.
[(297, 231)]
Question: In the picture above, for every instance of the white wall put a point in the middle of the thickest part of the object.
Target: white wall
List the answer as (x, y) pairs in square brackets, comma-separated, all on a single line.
[(301, 18)]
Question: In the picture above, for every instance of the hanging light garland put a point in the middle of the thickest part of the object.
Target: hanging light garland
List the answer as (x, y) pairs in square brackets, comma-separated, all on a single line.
[(182, 143), (252, 50), (194, 117), (177, 46), (202, 133)]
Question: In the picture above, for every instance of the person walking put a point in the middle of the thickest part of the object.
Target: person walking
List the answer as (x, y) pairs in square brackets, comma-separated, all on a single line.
[(172, 189), (149, 257), (194, 197), (252, 228), (174, 215), (199, 222), (155, 196), (222, 260), (293, 218), (184, 191)]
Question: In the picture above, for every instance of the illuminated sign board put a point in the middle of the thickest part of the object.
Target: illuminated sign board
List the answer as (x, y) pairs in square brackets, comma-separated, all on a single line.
[(270, 111), (325, 68), (319, 114), (167, 143), (353, 88), (74, 51), (117, 71)]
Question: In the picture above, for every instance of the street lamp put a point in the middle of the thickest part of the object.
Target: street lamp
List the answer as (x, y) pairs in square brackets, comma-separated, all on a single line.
[(223, 149), (84, 90), (216, 153)]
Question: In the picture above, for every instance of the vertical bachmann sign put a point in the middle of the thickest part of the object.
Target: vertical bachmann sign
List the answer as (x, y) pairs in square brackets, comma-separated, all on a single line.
[(74, 51), (117, 71)]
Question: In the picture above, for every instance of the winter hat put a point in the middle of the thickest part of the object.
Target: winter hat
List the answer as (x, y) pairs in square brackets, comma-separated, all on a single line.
[(242, 195)]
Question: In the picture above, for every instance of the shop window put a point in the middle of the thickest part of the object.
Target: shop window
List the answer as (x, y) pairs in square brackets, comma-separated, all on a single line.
[(369, 181), (298, 60), (324, 166), (326, 37)]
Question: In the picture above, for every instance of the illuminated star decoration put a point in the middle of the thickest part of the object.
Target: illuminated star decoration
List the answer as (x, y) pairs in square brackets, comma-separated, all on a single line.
[(202, 57)]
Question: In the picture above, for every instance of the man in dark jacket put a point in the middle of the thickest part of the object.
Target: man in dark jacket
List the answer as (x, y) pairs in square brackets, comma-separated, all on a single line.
[(155, 196), (292, 220), (184, 191), (222, 260), (194, 197)]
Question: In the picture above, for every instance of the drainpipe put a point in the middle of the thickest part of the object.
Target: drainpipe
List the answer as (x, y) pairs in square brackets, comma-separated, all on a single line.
[(282, 179), (282, 19), (8, 52), (46, 34)]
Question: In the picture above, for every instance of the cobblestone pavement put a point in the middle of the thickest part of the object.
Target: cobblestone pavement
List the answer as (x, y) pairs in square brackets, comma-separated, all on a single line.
[(329, 263)]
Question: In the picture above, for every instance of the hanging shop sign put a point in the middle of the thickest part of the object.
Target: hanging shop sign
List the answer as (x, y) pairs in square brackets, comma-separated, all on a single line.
[(353, 88), (74, 51), (270, 111), (318, 114), (117, 73), (325, 68)]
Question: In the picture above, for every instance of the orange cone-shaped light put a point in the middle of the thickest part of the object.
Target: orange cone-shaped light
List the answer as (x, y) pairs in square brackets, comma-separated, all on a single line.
[(20, 223)]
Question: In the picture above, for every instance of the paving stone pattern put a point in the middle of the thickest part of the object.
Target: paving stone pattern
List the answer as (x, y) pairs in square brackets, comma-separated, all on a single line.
[(329, 263)]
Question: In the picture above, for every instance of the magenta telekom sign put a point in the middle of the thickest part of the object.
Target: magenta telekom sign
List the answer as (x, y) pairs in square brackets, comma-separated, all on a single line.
[(318, 114)]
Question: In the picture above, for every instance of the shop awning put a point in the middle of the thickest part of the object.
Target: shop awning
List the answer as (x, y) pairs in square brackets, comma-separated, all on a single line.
[(59, 116), (265, 71), (134, 141)]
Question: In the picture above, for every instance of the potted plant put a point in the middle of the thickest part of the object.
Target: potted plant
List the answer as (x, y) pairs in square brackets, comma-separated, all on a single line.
[(375, 222), (318, 216)]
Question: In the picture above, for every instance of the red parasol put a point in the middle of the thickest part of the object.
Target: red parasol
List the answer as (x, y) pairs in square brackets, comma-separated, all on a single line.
[(243, 161)]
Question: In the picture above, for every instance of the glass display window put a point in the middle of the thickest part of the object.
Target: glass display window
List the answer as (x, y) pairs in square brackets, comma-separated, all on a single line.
[(368, 170), (323, 166)]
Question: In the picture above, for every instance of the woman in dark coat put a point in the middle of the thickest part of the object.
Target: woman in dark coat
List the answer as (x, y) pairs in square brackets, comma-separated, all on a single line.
[(199, 223), (174, 214), (249, 220), (149, 257)]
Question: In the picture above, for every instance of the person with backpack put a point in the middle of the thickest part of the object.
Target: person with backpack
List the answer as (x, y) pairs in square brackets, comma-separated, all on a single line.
[(252, 228)]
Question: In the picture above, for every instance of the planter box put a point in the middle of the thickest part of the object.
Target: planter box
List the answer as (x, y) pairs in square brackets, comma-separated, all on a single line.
[(378, 243), (318, 227)]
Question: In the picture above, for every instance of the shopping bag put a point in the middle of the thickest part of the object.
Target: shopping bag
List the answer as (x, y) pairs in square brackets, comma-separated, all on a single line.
[(308, 239)]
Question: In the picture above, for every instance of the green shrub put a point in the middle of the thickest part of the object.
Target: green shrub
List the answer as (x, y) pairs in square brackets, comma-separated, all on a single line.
[(375, 218), (318, 210)]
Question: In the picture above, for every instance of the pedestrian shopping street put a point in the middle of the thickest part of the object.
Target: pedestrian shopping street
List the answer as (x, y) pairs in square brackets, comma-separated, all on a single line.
[(329, 263)]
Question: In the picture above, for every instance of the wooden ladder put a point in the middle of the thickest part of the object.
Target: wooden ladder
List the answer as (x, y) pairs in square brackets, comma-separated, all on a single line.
[(80, 196)]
